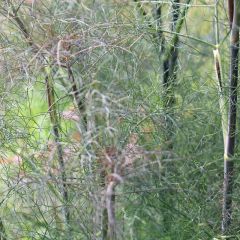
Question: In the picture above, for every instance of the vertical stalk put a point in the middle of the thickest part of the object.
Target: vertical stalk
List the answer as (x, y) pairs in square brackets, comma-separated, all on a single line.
[(170, 58), (221, 95), (231, 134), (170, 61), (219, 79), (110, 205), (52, 109), (108, 183), (103, 175), (161, 39), (216, 22), (230, 12), (76, 96)]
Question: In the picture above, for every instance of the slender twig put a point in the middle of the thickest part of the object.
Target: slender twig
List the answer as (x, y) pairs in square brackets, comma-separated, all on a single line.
[(110, 206), (76, 95), (191, 37), (180, 4), (52, 109), (161, 37), (21, 26), (219, 77), (178, 27), (108, 183), (221, 94), (103, 175)]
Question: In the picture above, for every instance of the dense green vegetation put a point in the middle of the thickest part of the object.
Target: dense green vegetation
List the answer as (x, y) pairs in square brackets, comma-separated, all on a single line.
[(110, 123)]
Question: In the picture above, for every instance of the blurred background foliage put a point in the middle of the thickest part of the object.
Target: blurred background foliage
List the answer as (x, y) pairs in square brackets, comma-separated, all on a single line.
[(171, 188)]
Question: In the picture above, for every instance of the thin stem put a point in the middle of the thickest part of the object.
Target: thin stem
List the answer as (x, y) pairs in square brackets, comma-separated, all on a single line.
[(190, 37), (216, 23), (21, 26), (221, 94), (76, 96), (170, 62), (219, 78), (52, 109), (230, 12), (176, 34), (232, 116)]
